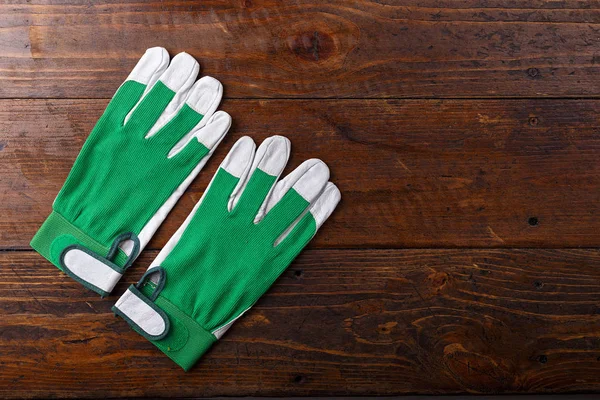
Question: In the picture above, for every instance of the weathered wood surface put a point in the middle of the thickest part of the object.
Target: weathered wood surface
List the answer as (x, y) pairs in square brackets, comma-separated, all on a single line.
[(508, 186), (412, 173), (266, 48), (338, 322)]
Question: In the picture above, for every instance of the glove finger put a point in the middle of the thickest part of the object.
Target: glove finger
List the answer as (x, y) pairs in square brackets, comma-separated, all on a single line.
[(299, 234), (151, 66), (283, 186), (291, 203), (146, 72), (325, 204), (202, 101), (170, 89), (203, 141), (205, 96), (268, 164), (239, 159)]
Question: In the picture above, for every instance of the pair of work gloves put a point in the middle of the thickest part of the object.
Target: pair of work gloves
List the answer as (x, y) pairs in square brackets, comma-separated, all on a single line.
[(154, 137)]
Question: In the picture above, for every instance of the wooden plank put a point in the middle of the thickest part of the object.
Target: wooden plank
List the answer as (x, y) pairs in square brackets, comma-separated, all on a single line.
[(264, 48), (511, 173), (338, 322)]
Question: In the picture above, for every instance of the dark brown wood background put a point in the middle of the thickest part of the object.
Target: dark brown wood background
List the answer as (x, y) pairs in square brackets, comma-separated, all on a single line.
[(464, 136)]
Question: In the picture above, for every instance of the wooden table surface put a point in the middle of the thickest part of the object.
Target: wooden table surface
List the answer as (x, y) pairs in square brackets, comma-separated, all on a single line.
[(464, 136)]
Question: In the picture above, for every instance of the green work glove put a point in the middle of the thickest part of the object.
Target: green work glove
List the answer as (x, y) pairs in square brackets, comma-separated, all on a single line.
[(243, 233), (154, 137)]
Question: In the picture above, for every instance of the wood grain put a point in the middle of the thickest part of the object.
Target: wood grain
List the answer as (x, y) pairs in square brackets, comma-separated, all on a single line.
[(338, 322), (463, 257), (267, 48), (459, 173)]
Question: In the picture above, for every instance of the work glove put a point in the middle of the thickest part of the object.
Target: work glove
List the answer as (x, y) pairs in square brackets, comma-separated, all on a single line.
[(243, 233), (154, 137)]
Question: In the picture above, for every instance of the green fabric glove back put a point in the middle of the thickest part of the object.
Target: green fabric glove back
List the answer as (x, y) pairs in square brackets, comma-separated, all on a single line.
[(152, 140), (240, 237)]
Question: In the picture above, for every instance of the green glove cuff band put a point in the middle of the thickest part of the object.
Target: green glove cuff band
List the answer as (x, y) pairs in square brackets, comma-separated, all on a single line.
[(186, 341), (56, 233), (80, 256), (162, 323)]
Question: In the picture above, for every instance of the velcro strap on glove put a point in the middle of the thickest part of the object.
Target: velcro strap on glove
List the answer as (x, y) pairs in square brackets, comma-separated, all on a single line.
[(160, 321), (142, 314), (82, 257), (91, 270)]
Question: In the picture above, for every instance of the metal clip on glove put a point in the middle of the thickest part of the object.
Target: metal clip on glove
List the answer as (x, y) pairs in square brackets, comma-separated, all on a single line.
[(242, 234), (154, 137)]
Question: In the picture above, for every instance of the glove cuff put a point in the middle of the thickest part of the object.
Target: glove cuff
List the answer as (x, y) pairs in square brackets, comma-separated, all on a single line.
[(79, 255), (176, 334)]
